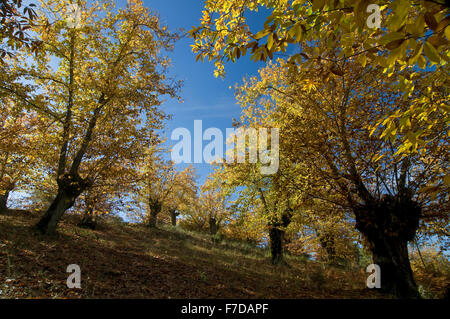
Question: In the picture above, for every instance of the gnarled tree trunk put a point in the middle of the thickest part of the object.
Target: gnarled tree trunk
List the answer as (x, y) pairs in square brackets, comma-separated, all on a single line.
[(388, 224), (276, 237), (70, 186), (155, 208), (213, 226)]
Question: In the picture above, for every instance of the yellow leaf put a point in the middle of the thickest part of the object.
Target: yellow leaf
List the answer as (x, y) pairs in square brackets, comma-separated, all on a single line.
[(447, 32), (431, 53)]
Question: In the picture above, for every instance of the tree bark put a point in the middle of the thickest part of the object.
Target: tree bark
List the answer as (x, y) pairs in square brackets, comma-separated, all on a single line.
[(388, 224), (69, 188), (213, 226), (5, 196), (4, 201), (276, 236), (155, 209), (173, 217), (152, 220)]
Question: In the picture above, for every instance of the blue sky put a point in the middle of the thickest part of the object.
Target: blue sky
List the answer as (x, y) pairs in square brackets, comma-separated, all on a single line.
[(205, 97)]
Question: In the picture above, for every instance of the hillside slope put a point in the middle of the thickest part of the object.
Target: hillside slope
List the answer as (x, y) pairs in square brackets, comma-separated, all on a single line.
[(120, 260)]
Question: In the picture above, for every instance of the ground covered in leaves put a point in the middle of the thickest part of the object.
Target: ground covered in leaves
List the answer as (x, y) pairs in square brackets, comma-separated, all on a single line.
[(120, 260)]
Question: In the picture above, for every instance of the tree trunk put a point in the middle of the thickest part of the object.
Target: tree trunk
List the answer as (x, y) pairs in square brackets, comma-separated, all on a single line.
[(173, 217), (152, 220), (69, 188), (213, 226), (155, 208), (4, 201), (388, 225), (276, 236), (5, 196)]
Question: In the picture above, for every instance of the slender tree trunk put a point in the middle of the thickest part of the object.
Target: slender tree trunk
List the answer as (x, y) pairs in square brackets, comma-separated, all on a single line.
[(388, 225), (276, 236), (69, 188), (4, 201), (173, 217)]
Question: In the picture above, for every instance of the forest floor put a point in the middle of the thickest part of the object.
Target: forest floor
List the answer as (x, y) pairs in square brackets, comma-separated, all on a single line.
[(120, 260)]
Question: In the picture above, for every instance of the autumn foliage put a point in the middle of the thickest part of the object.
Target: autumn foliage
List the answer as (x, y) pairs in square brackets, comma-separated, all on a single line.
[(363, 146)]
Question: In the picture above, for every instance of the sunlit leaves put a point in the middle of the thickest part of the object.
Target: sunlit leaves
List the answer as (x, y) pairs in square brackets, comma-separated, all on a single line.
[(410, 35)]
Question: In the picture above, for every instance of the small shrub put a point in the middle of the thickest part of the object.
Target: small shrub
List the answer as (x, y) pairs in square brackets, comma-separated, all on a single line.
[(424, 293), (217, 238)]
